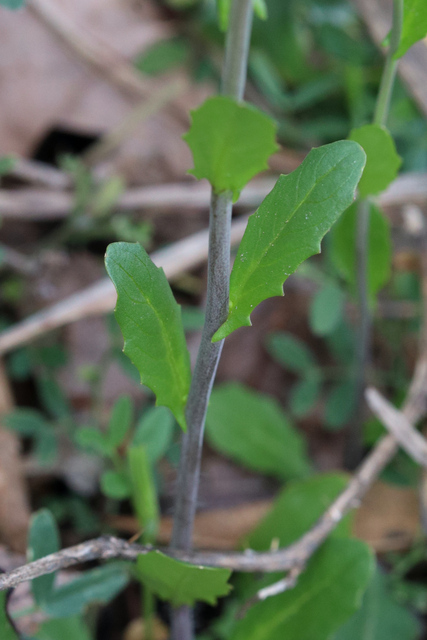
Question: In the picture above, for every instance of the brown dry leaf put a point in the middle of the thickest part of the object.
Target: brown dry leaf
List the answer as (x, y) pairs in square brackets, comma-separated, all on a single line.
[(388, 518), (45, 84), (136, 630)]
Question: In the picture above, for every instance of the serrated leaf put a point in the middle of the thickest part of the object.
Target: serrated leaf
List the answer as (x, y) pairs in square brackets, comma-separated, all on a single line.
[(296, 509), (326, 595), (115, 484), (43, 539), (326, 309), (231, 142), (120, 421), (150, 320), (97, 586), (181, 583), (291, 352), (343, 248), (414, 26), (340, 405), (154, 431), (289, 225), (380, 617), (382, 159), (252, 428), (7, 630), (12, 4)]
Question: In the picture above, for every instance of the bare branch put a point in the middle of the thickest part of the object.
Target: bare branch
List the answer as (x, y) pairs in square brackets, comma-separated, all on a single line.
[(398, 425), (43, 204)]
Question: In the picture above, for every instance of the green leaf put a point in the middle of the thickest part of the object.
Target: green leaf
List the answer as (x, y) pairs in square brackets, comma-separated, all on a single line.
[(144, 496), (92, 439), (150, 320), (181, 583), (27, 422), (120, 421), (163, 56), (291, 352), (382, 159), (97, 586), (380, 618), (223, 11), (52, 397), (115, 484), (155, 431), (8, 162), (298, 506), (340, 405), (7, 630), (343, 248), (304, 396), (12, 4), (252, 428), (327, 309), (43, 539), (289, 225), (326, 595), (414, 25), (231, 142), (65, 629)]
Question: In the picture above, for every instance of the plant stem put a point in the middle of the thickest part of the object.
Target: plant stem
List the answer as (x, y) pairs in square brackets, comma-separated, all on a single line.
[(233, 84), (354, 444), (389, 74)]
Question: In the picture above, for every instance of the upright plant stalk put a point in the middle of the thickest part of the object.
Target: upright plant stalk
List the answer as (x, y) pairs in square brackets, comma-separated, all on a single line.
[(354, 445), (233, 84)]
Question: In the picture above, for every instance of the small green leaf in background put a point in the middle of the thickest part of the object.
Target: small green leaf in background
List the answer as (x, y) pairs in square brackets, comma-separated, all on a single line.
[(380, 617), (43, 539), (298, 506), (252, 428), (7, 631), (414, 25), (340, 405), (64, 629), (327, 593), (382, 159), (289, 225), (291, 352), (120, 421), (304, 395), (151, 323), (163, 56), (223, 11), (326, 309), (12, 4), (343, 248), (181, 583), (7, 162), (92, 439), (52, 397), (155, 431), (115, 484), (97, 586), (144, 496), (231, 142)]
